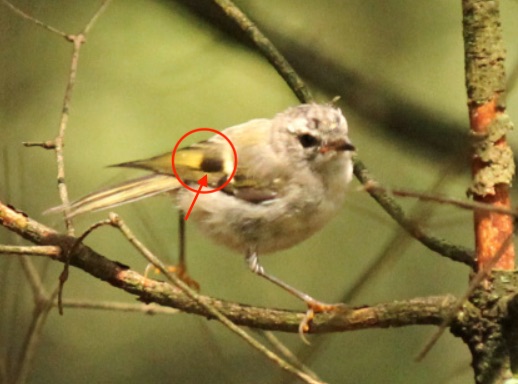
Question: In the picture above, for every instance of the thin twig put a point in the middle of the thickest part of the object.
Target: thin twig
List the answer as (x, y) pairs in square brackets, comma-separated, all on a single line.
[(63, 277), (464, 204), (32, 19), (58, 143), (96, 16), (442, 247), (269, 51), (33, 250), (44, 304), (39, 293), (282, 348), (77, 40), (33, 338), (147, 309)]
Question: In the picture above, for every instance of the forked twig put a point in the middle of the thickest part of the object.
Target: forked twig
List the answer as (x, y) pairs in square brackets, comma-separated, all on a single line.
[(58, 143), (45, 304)]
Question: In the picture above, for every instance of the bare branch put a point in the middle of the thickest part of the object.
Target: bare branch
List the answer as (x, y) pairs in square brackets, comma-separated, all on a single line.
[(28, 17), (36, 250), (451, 251), (464, 204), (147, 309), (32, 338), (95, 16), (430, 310), (58, 143), (268, 50), (289, 355)]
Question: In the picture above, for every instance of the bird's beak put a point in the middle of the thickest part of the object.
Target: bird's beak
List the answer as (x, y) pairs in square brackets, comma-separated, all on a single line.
[(338, 146)]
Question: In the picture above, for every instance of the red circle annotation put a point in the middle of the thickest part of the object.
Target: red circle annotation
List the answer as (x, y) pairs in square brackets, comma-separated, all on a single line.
[(229, 179)]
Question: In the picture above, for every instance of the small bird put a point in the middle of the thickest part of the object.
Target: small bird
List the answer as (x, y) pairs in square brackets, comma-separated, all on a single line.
[(291, 178)]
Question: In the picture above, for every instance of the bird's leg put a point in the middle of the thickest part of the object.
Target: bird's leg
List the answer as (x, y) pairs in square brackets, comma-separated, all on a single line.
[(313, 304), (182, 261), (180, 269)]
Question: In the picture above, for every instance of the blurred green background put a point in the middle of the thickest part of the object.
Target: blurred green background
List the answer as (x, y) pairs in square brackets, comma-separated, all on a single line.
[(152, 70)]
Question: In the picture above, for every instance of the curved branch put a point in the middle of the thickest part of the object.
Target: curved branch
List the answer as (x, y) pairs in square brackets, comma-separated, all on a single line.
[(267, 49)]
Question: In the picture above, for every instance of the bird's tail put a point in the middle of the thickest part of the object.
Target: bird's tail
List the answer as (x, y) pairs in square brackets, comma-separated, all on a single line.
[(124, 193)]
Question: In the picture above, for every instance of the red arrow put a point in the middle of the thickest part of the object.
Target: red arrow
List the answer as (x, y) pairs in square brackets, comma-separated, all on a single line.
[(203, 183)]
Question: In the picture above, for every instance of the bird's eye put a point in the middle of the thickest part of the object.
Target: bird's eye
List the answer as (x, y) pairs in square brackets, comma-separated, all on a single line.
[(307, 140)]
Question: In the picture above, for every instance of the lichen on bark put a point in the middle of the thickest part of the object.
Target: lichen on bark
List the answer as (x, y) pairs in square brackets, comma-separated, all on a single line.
[(484, 51), (496, 157)]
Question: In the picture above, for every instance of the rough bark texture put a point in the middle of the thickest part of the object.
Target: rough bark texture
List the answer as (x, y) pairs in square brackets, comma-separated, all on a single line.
[(493, 164), (487, 327)]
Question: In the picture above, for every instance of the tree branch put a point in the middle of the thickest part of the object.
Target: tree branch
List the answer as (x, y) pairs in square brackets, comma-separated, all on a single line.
[(430, 310), (441, 246), (267, 49)]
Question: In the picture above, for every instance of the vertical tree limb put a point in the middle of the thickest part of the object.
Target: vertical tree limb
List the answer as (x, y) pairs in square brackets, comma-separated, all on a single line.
[(492, 161), (492, 172)]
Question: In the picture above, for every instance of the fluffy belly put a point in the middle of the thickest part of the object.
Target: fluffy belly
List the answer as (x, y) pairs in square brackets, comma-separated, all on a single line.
[(267, 227)]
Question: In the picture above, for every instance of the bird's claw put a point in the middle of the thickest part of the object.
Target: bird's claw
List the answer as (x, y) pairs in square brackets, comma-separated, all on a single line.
[(180, 271), (315, 307)]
